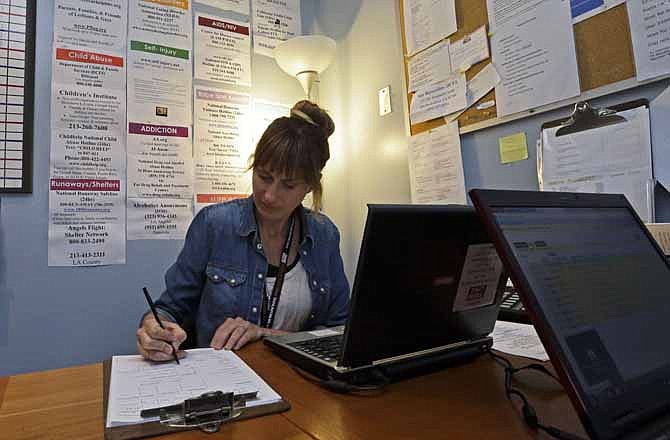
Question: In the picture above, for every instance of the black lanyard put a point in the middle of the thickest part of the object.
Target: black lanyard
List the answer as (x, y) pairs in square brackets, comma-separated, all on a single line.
[(269, 305)]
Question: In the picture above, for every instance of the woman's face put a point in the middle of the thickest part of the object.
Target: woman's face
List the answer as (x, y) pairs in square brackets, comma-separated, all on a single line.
[(276, 195)]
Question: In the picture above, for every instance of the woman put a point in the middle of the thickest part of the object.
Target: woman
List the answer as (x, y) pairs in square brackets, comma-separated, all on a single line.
[(229, 273)]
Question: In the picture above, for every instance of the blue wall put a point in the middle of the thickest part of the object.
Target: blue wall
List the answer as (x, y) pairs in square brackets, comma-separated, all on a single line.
[(481, 158), (52, 317)]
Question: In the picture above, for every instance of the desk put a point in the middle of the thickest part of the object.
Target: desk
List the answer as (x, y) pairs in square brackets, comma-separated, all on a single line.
[(460, 402)]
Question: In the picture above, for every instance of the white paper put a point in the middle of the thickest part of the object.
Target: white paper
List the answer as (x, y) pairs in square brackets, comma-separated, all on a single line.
[(222, 50), (239, 6), (610, 159), (91, 25), (436, 166), (427, 22), (165, 22), (661, 233), (519, 340), (469, 50), (608, 4), (479, 279), (274, 22), (534, 51), (439, 99), (478, 87), (88, 144), (262, 116), (159, 84), (164, 219), (650, 32), (430, 66), (222, 146), (137, 384), (160, 164), (659, 114)]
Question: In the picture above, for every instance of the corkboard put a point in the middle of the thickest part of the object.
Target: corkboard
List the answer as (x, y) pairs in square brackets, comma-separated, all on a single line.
[(603, 45)]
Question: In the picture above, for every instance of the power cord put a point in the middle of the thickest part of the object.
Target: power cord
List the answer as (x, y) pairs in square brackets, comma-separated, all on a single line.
[(340, 386), (529, 414)]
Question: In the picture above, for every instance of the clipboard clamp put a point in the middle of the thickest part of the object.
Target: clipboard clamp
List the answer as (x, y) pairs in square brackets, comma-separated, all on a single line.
[(207, 411), (584, 117)]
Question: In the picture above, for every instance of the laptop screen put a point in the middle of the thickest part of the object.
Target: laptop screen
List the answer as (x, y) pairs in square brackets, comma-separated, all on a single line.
[(603, 288)]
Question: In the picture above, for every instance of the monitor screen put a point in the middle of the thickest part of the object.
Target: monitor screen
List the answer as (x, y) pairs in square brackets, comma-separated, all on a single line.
[(603, 289)]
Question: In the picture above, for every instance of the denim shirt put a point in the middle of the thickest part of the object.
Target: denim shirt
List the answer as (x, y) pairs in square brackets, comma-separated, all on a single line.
[(220, 272)]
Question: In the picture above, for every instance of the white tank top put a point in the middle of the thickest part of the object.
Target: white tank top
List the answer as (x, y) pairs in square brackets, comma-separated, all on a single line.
[(295, 302)]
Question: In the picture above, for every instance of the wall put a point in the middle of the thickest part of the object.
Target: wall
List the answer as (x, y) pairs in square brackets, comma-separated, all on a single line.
[(53, 317), (372, 161)]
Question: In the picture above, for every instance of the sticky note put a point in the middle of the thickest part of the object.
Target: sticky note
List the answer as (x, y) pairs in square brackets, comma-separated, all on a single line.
[(513, 148)]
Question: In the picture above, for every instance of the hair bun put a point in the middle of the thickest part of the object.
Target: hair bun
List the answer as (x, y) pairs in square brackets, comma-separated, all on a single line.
[(317, 114)]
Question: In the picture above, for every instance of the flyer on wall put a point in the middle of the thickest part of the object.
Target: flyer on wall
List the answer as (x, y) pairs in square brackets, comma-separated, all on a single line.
[(222, 51), (163, 219), (167, 22), (264, 113), (87, 157), (159, 161), (159, 84), (222, 146), (86, 24), (86, 194), (274, 22)]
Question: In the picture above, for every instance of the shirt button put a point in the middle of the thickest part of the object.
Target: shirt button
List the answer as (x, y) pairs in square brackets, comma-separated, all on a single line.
[(232, 281), (260, 276), (322, 290), (254, 310), (215, 278), (313, 282), (311, 316), (304, 252), (259, 246)]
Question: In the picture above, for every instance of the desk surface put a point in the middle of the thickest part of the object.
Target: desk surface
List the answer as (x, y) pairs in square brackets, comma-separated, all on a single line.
[(460, 402)]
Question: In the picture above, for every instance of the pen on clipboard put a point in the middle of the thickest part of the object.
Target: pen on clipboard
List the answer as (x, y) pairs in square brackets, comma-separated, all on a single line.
[(153, 310)]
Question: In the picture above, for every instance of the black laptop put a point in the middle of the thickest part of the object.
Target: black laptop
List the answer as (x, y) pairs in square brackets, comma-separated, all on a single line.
[(597, 288), (427, 289)]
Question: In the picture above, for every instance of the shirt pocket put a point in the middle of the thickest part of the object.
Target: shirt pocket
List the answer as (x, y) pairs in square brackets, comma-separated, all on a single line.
[(224, 289)]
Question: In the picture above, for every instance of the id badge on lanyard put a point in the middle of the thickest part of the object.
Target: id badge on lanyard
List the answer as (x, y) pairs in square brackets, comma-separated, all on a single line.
[(269, 305)]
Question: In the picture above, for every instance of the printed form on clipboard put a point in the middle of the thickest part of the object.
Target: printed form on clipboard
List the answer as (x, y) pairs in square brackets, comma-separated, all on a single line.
[(613, 157)]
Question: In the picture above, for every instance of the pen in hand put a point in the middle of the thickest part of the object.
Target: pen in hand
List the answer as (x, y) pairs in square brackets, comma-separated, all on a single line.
[(153, 310)]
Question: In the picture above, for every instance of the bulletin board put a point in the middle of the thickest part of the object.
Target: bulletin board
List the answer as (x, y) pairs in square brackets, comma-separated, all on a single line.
[(603, 44)]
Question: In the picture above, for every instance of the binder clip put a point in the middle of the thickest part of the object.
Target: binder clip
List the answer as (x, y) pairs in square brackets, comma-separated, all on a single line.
[(206, 412), (585, 117)]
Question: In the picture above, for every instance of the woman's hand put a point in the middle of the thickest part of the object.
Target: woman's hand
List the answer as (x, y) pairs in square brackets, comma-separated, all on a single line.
[(235, 333), (153, 342)]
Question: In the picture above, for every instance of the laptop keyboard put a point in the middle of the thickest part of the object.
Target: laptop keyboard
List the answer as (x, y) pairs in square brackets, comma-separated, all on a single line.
[(327, 348)]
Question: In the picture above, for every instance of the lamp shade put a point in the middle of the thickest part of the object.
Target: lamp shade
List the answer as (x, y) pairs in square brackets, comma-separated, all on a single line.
[(308, 53)]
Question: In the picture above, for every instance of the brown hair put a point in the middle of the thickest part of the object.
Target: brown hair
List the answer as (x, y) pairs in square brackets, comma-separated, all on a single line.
[(297, 146)]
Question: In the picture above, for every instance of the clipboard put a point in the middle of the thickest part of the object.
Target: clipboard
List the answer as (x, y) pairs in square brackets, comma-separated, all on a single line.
[(151, 429), (586, 118)]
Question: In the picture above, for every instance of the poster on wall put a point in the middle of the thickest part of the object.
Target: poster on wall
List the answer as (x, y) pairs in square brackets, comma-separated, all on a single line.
[(159, 84), (159, 161), (222, 51), (222, 146), (274, 22), (98, 25), (262, 116), (87, 157), (167, 22), (158, 219), (239, 6)]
